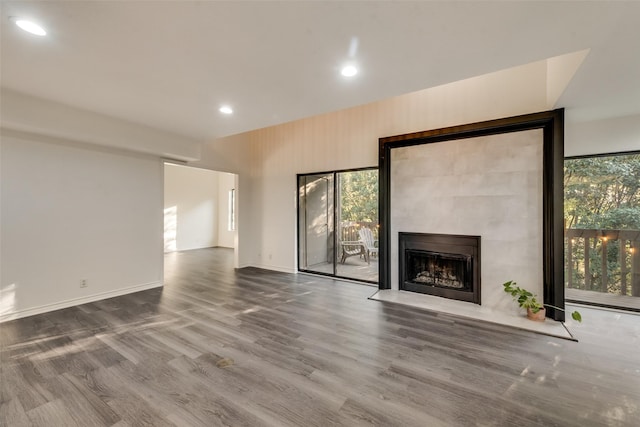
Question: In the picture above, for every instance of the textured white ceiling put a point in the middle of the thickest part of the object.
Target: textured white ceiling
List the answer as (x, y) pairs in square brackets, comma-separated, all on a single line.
[(170, 64)]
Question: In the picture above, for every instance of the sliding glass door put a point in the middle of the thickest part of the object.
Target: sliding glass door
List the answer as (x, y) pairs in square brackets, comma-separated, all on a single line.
[(602, 235), (316, 223), (338, 224)]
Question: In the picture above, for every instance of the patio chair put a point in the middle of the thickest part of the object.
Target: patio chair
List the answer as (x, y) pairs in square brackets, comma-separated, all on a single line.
[(369, 243), (350, 248)]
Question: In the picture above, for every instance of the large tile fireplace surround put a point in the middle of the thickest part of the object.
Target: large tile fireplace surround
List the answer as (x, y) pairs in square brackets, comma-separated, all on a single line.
[(490, 188)]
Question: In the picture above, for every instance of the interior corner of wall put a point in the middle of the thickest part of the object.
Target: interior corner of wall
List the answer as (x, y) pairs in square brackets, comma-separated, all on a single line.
[(560, 71)]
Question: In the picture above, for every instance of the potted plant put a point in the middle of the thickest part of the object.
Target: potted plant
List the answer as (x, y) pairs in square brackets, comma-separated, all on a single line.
[(535, 309)]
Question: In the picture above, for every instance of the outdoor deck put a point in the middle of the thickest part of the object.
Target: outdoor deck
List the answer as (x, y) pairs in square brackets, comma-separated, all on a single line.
[(354, 268), (603, 267), (624, 302)]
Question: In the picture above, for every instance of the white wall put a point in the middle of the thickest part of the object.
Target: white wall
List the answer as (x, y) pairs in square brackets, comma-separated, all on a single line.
[(612, 135), (196, 206), (269, 159), (25, 113), (235, 155), (191, 208), (72, 212)]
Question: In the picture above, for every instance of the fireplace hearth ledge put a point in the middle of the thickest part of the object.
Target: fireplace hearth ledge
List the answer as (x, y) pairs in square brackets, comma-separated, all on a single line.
[(472, 311)]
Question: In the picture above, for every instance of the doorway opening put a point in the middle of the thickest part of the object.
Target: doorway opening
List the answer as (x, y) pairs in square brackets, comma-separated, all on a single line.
[(200, 209), (338, 224)]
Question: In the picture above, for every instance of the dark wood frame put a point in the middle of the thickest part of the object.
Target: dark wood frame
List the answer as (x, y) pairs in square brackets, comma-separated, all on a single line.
[(552, 124)]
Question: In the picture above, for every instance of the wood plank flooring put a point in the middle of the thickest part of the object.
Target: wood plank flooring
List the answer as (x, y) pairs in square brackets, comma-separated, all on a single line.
[(220, 347)]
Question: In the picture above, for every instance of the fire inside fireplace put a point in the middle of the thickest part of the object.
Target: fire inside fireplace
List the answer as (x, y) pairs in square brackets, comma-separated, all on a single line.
[(442, 265), (438, 269)]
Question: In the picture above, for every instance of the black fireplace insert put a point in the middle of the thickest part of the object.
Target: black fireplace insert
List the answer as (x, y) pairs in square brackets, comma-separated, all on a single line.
[(440, 264)]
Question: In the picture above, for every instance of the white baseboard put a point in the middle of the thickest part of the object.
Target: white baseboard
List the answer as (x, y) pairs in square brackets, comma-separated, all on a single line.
[(77, 301), (274, 268), (244, 265)]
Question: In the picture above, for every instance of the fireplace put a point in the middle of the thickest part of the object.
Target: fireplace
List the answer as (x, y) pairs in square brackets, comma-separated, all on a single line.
[(440, 264)]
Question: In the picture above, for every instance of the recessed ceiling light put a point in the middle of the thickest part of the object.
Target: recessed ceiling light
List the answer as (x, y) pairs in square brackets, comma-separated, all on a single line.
[(225, 109), (349, 70), (30, 27)]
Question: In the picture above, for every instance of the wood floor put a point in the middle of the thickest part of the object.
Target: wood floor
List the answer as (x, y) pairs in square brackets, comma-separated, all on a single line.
[(255, 348)]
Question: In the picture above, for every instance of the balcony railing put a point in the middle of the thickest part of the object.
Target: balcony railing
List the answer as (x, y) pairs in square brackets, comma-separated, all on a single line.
[(603, 261), (349, 230)]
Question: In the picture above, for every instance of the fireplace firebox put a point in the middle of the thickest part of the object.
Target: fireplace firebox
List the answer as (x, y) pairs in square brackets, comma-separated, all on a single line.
[(440, 264)]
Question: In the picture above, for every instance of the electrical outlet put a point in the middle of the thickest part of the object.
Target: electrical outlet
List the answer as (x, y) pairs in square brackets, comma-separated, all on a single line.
[(83, 283)]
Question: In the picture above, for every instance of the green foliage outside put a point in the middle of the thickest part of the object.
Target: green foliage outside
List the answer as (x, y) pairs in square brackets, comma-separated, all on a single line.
[(602, 193), (359, 196)]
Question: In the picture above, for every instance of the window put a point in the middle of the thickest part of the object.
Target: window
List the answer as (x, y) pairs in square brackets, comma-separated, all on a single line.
[(232, 209), (602, 237)]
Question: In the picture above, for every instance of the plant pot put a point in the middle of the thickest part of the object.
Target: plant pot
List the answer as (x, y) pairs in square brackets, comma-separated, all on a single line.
[(538, 317)]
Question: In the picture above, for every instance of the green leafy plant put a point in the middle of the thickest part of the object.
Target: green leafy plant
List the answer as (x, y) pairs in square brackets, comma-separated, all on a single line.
[(526, 299)]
